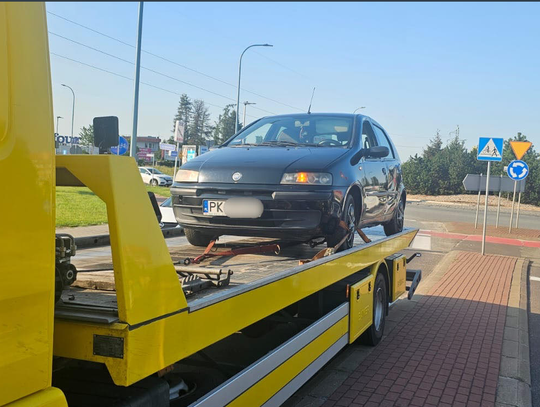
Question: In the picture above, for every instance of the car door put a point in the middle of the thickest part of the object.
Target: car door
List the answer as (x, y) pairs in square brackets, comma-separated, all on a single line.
[(145, 175), (375, 178), (393, 173)]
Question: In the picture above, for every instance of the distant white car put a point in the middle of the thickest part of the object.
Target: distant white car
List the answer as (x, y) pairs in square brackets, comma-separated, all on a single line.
[(167, 215), (154, 177)]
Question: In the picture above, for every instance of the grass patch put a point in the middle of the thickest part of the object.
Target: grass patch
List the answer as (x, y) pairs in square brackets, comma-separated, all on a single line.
[(165, 170), (78, 206)]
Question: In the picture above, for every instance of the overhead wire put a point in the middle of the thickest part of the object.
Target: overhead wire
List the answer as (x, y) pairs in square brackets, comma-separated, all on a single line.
[(151, 70), (173, 62), (131, 79)]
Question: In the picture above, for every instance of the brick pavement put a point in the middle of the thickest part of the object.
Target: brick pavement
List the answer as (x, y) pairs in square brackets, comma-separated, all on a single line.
[(447, 350)]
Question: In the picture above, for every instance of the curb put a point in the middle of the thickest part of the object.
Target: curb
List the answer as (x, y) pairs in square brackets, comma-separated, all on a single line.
[(514, 387), (85, 242)]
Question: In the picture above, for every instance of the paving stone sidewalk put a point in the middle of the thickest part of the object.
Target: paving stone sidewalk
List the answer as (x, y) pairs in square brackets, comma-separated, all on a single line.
[(447, 350)]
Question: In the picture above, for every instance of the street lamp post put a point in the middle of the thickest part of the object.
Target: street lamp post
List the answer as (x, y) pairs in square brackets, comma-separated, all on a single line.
[(72, 112), (133, 146), (245, 105), (239, 76), (363, 107), (57, 118)]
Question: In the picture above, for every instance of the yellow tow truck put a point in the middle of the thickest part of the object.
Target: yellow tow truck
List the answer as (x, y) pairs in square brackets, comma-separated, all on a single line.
[(149, 341)]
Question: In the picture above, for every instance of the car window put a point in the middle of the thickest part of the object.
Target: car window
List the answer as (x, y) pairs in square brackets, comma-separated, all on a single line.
[(154, 171), (142, 170), (368, 136), (256, 136), (303, 130), (382, 140)]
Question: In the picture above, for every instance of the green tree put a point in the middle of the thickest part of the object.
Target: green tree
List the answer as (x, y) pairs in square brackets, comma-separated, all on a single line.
[(224, 126), (87, 136), (199, 127), (184, 113)]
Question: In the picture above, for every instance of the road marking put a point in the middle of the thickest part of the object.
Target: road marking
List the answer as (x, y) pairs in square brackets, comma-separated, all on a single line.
[(533, 278)]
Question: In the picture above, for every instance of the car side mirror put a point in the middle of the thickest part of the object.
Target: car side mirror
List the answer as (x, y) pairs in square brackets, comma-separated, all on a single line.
[(357, 156), (378, 152)]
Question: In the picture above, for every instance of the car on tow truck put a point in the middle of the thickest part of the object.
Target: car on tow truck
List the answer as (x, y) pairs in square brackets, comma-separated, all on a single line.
[(294, 177)]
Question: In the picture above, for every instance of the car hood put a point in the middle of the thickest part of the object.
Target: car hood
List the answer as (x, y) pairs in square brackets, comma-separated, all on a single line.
[(162, 176), (261, 165)]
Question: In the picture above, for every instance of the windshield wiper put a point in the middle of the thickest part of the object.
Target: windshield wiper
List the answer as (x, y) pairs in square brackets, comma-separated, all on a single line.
[(280, 143)]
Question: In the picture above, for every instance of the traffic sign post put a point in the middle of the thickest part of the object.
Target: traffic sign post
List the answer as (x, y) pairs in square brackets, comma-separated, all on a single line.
[(518, 171), (489, 149), (179, 131)]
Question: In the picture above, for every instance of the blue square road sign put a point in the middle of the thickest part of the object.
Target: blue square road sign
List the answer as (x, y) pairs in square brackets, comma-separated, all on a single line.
[(490, 149)]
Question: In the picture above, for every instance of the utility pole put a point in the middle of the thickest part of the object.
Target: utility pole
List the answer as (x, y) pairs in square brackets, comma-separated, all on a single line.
[(133, 146), (245, 105)]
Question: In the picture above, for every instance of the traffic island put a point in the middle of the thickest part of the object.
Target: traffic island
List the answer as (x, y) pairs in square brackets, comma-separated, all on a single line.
[(463, 343)]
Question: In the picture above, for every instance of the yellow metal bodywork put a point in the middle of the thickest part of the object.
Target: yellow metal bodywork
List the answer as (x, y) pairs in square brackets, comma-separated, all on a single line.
[(27, 208), (50, 397), (361, 306), (163, 341), (259, 393), (147, 285), (399, 277)]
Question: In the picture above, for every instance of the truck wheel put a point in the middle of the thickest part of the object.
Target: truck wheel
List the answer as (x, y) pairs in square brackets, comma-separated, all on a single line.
[(197, 238), (396, 224), (349, 217), (380, 303)]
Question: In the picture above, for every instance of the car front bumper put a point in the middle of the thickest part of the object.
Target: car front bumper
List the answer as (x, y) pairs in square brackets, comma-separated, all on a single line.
[(288, 213)]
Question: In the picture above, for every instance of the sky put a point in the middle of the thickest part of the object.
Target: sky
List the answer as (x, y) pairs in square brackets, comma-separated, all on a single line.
[(416, 67)]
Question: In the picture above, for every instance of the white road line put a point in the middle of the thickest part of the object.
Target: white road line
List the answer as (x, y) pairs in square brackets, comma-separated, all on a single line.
[(533, 278)]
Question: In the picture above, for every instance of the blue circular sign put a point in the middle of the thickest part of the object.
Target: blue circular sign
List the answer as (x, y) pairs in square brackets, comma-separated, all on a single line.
[(518, 170), (122, 144)]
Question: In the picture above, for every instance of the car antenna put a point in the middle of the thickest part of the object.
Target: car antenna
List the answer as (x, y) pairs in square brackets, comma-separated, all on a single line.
[(310, 102)]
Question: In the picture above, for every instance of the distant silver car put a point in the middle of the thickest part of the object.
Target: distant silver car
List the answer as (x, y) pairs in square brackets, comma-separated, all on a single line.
[(154, 177)]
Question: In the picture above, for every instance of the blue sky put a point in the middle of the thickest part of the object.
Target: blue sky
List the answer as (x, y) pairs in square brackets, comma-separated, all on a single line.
[(417, 67)]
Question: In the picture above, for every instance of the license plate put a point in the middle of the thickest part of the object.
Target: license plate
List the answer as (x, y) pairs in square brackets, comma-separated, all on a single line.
[(213, 208)]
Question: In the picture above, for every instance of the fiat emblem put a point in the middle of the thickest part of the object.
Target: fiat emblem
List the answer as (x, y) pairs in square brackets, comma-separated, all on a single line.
[(236, 176)]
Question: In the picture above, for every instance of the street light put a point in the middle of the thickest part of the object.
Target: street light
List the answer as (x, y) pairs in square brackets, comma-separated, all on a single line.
[(239, 76), (72, 111), (57, 118), (245, 105), (363, 107)]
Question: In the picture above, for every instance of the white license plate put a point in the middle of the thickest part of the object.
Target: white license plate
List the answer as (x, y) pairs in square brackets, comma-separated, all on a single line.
[(213, 208)]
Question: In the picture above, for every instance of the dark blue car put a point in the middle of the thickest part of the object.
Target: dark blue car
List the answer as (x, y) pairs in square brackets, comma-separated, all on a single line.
[(293, 177)]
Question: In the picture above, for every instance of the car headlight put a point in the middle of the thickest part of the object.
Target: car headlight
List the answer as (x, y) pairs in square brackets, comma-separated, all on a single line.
[(186, 176), (309, 178)]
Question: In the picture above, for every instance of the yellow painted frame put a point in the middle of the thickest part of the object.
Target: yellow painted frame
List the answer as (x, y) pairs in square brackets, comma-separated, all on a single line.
[(173, 332)]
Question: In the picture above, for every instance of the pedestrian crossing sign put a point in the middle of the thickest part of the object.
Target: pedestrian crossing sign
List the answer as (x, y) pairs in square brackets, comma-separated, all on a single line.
[(490, 149)]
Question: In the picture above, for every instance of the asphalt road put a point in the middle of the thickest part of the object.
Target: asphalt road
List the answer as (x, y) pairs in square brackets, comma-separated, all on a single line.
[(422, 212)]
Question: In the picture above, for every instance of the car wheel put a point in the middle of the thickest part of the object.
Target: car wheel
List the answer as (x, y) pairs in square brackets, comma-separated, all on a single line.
[(154, 182), (349, 217), (197, 238), (380, 303), (396, 224)]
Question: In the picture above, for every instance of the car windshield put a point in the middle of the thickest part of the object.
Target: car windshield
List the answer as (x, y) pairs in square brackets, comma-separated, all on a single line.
[(298, 131), (154, 171)]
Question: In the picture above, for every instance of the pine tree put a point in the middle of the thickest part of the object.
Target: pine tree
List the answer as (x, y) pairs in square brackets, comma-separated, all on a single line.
[(199, 127), (184, 113), (224, 127)]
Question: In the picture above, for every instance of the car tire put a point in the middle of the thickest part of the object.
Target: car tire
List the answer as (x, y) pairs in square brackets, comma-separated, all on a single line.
[(396, 224), (154, 182), (197, 238), (349, 217), (374, 333)]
